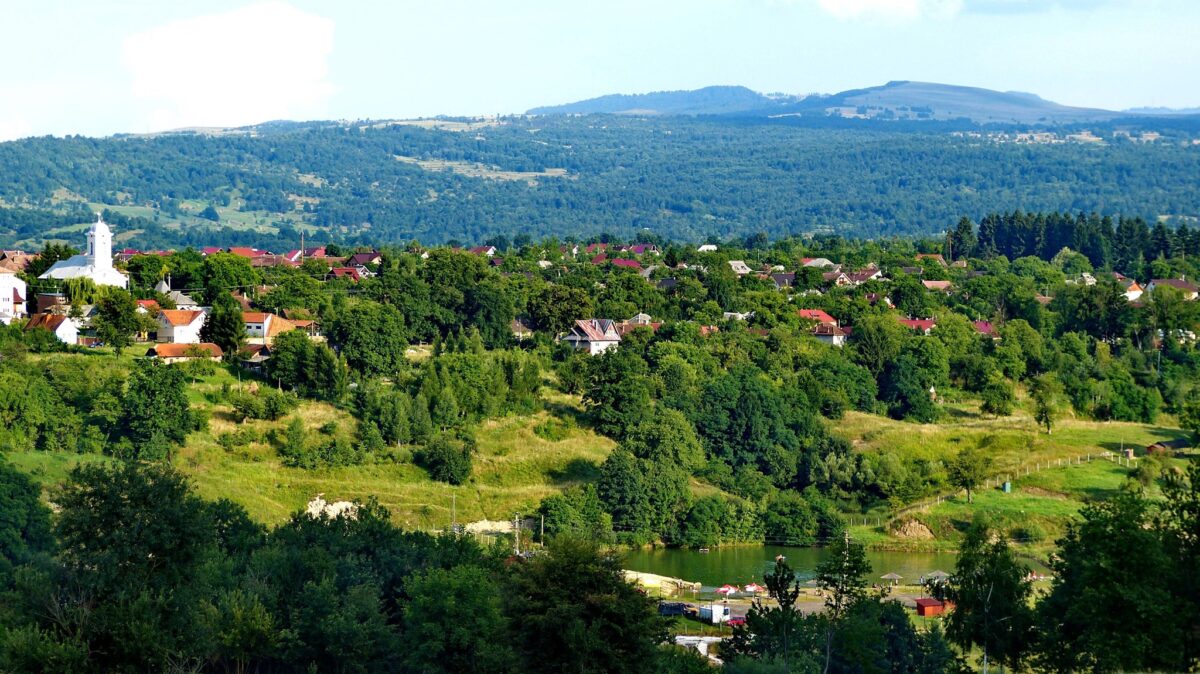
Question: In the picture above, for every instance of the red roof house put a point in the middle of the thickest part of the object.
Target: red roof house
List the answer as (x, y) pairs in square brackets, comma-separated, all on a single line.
[(817, 315)]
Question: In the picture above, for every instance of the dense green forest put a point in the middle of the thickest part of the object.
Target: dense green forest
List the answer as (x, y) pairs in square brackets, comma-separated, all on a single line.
[(727, 430), (672, 177)]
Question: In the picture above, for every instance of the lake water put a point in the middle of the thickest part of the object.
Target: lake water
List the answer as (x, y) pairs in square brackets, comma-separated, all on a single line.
[(738, 565)]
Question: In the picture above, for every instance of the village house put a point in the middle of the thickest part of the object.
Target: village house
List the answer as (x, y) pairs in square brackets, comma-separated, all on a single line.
[(924, 326), (938, 286), (65, 328), (830, 334), (263, 328), (175, 353), (365, 259), (1189, 290), (817, 315), (818, 262), (862, 276), (486, 251), (987, 329), (707, 248), (180, 326), (594, 335), (835, 278), (784, 280), (12, 297), (936, 257), (520, 329)]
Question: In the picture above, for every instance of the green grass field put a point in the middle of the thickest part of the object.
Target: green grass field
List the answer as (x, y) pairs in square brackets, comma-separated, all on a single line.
[(1041, 503)]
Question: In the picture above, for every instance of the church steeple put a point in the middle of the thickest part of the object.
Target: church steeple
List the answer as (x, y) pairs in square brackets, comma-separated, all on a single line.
[(99, 244)]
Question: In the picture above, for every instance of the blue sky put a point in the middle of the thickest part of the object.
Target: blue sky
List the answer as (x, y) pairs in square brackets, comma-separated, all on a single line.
[(100, 67)]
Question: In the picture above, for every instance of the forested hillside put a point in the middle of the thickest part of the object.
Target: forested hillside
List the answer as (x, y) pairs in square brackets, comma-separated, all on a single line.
[(678, 178)]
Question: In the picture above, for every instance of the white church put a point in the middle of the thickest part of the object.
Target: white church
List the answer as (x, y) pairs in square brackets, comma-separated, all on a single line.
[(96, 263)]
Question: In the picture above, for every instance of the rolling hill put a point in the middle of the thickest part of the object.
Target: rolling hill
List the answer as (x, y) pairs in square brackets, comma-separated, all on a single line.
[(899, 100)]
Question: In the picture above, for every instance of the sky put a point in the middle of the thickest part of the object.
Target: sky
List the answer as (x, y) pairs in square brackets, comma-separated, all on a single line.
[(98, 67)]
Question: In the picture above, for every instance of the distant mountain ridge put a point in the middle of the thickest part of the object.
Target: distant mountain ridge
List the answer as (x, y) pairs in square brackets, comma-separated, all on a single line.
[(715, 100), (897, 100)]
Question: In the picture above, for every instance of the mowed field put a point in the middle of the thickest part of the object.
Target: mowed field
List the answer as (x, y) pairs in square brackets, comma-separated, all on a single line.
[(1051, 476)]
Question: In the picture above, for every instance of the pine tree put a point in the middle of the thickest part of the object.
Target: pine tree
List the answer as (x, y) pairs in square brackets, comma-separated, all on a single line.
[(224, 326)]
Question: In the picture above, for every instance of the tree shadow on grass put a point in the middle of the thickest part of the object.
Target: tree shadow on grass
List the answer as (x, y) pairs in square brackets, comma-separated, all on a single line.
[(577, 470), (564, 411)]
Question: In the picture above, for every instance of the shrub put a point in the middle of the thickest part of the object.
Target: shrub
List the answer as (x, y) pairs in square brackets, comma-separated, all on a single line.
[(448, 459), (554, 430)]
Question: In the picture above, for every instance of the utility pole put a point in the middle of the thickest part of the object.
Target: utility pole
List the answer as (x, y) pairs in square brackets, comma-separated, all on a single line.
[(454, 514), (542, 533), (517, 533)]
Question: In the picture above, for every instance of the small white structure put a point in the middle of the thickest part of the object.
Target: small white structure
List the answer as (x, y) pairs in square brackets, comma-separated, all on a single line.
[(707, 248), (180, 326), (12, 297), (95, 264), (594, 335)]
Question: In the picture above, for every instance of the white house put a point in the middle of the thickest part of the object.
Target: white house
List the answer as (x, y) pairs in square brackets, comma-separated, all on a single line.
[(180, 326), (594, 335), (63, 327), (96, 263), (818, 262), (263, 328), (707, 248), (12, 297), (1189, 290), (830, 334)]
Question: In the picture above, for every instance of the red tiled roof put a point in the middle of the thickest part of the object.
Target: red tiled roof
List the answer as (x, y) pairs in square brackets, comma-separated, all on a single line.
[(817, 315), (254, 317), (48, 321), (826, 330), (927, 602), (183, 350), (629, 264), (180, 316), (149, 304), (594, 329), (345, 272), (937, 285), (985, 327), (600, 259), (921, 324)]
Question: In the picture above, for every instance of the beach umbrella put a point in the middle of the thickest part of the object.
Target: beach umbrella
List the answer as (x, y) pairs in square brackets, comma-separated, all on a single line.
[(937, 576), (727, 589), (894, 577), (754, 587)]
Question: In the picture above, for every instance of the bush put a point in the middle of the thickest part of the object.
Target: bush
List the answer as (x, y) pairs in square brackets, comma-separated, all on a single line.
[(267, 404), (554, 429), (448, 459)]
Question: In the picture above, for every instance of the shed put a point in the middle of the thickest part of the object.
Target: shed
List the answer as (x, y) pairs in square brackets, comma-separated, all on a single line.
[(1168, 446), (928, 606)]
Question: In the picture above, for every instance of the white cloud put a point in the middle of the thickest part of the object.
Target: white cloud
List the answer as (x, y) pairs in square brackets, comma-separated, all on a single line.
[(253, 64), (890, 9)]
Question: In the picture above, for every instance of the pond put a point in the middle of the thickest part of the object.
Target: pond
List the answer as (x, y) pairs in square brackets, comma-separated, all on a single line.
[(738, 565)]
